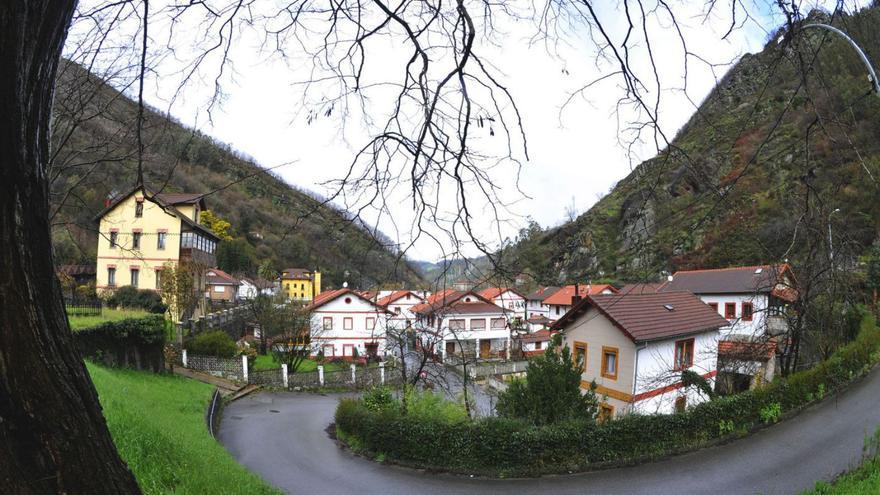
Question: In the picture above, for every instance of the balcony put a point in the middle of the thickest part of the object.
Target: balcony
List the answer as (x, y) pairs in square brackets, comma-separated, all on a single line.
[(197, 256)]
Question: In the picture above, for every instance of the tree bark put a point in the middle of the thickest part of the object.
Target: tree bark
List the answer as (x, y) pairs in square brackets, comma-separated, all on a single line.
[(53, 437)]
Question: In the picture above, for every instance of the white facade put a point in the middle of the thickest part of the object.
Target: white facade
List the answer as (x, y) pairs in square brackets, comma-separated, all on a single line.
[(512, 302), (477, 332), (400, 309), (655, 374), (536, 307), (346, 323), (248, 290)]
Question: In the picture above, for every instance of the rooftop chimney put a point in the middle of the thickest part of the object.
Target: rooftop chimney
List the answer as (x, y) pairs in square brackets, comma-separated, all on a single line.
[(576, 298)]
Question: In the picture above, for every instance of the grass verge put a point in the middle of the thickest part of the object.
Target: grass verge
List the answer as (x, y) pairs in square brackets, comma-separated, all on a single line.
[(158, 425), (80, 322)]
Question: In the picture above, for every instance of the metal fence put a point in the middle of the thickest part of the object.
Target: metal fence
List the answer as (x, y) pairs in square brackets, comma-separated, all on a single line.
[(84, 308)]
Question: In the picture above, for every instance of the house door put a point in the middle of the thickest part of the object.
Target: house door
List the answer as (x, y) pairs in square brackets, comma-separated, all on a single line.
[(450, 348), (485, 347)]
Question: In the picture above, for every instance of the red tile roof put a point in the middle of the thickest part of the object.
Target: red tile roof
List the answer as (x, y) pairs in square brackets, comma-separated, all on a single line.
[(327, 296), (542, 293), (646, 317), (493, 292), (539, 336), (733, 280), (476, 307), (390, 298), (563, 296), (642, 287), (748, 351), (216, 276), (447, 298)]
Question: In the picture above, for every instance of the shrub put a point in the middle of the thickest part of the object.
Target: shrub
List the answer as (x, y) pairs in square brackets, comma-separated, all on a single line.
[(426, 405), (130, 342), (213, 343), (378, 398), (427, 438), (132, 297)]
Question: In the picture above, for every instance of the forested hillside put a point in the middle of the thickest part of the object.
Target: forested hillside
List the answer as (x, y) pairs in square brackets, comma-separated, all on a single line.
[(789, 135), (95, 155)]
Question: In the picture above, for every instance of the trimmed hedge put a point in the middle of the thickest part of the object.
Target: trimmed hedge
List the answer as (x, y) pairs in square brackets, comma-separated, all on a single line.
[(505, 447), (131, 343)]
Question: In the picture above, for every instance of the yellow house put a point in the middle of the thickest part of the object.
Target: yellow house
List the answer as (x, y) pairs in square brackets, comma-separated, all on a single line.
[(141, 231), (301, 284)]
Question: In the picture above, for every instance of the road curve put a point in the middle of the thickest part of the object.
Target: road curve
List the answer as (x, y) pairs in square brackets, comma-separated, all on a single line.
[(282, 437)]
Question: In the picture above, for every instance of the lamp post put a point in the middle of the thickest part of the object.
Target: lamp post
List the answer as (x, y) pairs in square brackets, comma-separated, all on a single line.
[(830, 239), (872, 76)]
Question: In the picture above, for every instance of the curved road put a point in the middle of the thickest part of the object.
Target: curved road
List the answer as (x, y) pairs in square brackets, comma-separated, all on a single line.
[(282, 437)]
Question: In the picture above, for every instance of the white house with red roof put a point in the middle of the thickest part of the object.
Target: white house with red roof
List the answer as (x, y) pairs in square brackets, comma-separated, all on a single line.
[(345, 324), (468, 324), (635, 347), (399, 305), (507, 298), (559, 302), (754, 300)]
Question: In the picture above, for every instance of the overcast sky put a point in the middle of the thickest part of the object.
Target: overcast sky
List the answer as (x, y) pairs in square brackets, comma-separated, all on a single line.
[(575, 153)]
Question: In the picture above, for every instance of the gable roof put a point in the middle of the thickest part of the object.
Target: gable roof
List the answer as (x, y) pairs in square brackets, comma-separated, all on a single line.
[(216, 276), (641, 287), (169, 208), (493, 292), (76, 270), (542, 293), (331, 295), (446, 298), (461, 307), (539, 336), (563, 296), (297, 273), (650, 316), (394, 296), (733, 280)]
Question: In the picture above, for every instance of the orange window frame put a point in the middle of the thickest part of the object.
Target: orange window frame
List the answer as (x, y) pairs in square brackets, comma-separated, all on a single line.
[(605, 352), (580, 346), (684, 347), (605, 413)]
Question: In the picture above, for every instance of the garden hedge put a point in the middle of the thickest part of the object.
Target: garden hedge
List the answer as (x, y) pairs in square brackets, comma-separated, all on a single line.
[(132, 343), (505, 447)]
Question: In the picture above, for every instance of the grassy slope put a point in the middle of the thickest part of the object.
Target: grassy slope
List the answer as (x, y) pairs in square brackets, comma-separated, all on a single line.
[(80, 322), (863, 481), (167, 444), (665, 215)]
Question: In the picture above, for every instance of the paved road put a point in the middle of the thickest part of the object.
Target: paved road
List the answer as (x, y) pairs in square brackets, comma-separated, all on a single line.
[(282, 437)]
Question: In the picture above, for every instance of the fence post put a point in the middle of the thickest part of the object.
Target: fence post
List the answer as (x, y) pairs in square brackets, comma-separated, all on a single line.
[(382, 373), (353, 373), (183, 358), (284, 374), (321, 375), (244, 368)]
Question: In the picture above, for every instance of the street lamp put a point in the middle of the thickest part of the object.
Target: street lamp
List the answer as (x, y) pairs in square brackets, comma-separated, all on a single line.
[(830, 241), (872, 76)]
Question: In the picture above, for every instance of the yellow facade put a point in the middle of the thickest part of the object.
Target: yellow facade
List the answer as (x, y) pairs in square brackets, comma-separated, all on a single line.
[(149, 257), (301, 287)]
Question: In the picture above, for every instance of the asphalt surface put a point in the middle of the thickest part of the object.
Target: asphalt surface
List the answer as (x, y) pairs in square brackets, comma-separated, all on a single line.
[(282, 437)]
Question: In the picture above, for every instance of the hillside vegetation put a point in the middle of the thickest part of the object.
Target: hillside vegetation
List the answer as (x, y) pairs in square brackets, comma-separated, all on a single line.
[(95, 156), (732, 186)]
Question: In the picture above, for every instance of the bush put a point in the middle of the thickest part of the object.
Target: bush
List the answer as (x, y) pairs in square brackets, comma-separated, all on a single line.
[(132, 297), (506, 446), (131, 342), (378, 398), (213, 343)]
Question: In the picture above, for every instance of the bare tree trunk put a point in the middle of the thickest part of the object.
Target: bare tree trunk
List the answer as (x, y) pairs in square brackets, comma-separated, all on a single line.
[(53, 438)]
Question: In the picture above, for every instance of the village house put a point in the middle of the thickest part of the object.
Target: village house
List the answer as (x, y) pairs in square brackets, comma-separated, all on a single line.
[(141, 232), (754, 300), (399, 305), (468, 325), (559, 302), (535, 301), (345, 324), (250, 288), (510, 299), (300, 284), (220, 286), (634, 347), (534, 344)]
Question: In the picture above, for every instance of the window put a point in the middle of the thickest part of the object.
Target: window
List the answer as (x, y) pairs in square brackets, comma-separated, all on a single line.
[(478, 324), (746, 311), (136, 240), (114, 237), (111, 277), (684, 354), (730, 311), (328, 323), (498, 324), (609, 362), (219, 288), (139, 208), (456, 324), (557, 310), (538, 345), (680, 404), (371, 323), (328, 350), (302, 286), (580, 356), (606, 412), (397, 310), (348, 323), (158, 278), (135, 273), (160, 240), (714, 306)]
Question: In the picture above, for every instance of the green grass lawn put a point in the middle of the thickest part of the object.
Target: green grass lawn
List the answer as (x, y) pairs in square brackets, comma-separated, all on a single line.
[(80, 322), (863, 481), (158, 425), (268, 362)]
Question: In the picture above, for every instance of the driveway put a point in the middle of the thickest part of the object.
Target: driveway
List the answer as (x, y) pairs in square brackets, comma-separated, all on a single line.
[(282, 437)]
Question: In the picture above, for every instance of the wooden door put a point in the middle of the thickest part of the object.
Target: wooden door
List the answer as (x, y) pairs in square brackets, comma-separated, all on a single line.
[(450, 348), (485, 347)]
